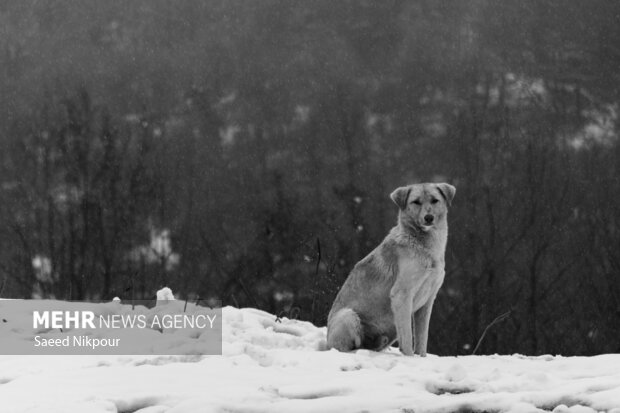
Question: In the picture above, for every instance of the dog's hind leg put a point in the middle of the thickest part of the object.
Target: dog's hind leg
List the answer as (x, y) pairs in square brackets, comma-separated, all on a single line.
[(381, 343), (344, 330)]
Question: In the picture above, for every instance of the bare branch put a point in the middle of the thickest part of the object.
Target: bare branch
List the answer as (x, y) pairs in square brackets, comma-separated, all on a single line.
[(497, 320)]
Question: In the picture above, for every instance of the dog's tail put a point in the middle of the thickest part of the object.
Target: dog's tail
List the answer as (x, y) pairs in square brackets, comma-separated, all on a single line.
[(344, 330)]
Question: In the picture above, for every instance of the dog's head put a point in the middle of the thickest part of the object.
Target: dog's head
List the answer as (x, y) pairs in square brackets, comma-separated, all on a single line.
[(423, 206)]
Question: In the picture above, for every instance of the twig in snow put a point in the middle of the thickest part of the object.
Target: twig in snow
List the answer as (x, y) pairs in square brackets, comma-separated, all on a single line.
[(497, 320)]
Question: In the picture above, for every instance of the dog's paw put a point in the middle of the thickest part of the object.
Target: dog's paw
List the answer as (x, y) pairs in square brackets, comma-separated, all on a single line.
[(406, 351)]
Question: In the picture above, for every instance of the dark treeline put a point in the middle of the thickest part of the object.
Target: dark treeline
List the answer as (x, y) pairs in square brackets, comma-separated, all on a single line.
[(245, 151)]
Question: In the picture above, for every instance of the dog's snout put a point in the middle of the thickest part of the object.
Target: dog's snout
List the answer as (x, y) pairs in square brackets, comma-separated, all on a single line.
[(428, 218)]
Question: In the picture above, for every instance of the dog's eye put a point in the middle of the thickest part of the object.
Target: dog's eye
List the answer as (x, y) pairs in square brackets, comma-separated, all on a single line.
[(417, 202), (434, 201)]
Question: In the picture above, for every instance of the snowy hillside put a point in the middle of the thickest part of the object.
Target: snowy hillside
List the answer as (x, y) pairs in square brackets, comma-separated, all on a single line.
[(270, 366)]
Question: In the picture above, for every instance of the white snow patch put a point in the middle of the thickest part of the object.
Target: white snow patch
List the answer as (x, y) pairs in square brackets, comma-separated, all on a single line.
[(165, 294), (159, 251)]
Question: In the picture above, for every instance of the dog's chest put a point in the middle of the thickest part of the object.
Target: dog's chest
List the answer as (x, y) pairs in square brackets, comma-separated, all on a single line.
[(424, 282), (428, 289)]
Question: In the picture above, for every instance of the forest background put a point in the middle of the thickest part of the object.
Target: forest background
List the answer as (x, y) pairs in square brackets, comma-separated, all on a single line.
[(245, 151)]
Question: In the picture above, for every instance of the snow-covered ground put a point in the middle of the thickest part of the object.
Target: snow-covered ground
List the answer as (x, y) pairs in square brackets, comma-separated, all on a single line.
[(270, 366)]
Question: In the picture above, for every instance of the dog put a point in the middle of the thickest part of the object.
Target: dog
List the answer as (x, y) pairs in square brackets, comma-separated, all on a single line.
[(389, 294)]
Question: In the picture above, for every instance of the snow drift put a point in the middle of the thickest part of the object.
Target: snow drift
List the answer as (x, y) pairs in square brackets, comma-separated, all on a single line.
[(271, 365)]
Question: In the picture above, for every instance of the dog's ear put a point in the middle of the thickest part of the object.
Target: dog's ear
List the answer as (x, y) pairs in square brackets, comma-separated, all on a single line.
[(400, 196), (447, 191)]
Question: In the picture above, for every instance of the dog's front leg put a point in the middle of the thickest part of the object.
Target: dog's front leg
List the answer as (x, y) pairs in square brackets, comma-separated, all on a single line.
[(401, 308), (421, 320)]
